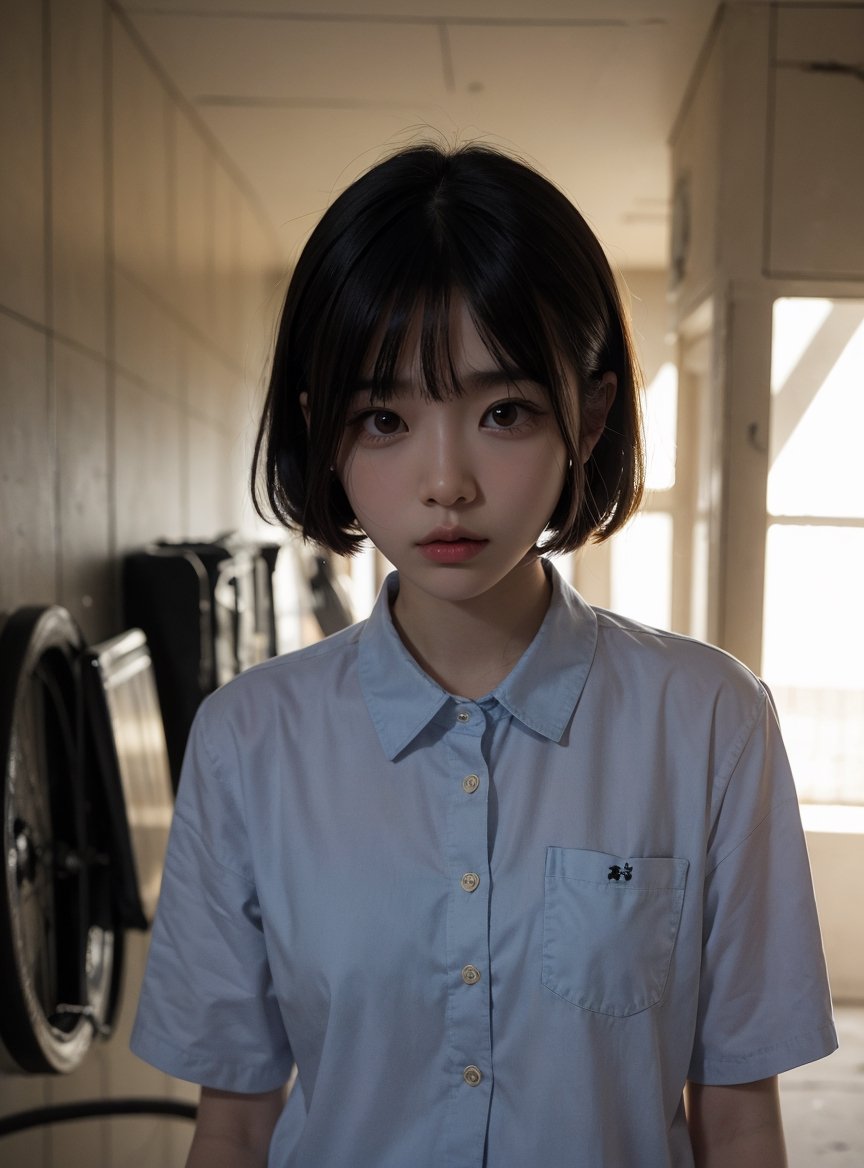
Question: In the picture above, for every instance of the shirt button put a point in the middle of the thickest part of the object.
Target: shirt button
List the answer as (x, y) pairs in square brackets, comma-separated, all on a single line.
[(470, 975), (470, 881), (472, 1076), (470, 784), (463, 716)]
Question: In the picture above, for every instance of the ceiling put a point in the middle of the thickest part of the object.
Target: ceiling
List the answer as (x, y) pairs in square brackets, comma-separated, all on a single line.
[(303, 95)]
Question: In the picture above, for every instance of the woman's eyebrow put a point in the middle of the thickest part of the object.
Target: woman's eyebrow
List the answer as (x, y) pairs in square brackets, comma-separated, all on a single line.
[(475, 379), (483, 378)]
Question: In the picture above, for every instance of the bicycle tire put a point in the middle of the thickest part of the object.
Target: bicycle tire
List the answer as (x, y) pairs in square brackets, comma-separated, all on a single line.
[(59, 949)]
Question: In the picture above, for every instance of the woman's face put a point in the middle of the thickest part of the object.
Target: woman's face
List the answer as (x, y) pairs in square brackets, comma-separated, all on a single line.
[(455, 493)]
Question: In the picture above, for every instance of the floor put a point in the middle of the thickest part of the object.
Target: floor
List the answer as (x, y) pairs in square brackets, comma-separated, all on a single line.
[(823, 1103)]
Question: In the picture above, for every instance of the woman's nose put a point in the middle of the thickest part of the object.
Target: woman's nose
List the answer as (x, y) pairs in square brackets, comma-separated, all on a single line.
[(448, 476)]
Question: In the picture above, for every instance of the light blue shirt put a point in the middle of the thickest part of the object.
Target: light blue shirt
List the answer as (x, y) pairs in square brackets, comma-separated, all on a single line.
[(496, 933)]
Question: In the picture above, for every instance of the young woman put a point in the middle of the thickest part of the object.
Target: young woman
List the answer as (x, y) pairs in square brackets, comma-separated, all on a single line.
[(511, 881)]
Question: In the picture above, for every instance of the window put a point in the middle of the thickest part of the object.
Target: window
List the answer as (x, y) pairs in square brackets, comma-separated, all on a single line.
[(813, 639)]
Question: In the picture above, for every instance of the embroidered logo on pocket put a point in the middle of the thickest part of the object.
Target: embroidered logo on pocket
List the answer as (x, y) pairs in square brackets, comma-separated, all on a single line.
[(634, 914)]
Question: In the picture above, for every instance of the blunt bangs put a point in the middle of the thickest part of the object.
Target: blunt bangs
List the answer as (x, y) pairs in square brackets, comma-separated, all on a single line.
[(380, 274)]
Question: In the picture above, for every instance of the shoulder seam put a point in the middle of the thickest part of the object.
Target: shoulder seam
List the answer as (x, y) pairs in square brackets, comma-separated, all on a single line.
[(187, 823), (768, 814), (608, 620), (311, 652)]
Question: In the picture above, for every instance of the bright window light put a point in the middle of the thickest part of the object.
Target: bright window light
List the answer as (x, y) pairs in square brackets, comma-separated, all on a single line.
[(661, 419), (796, 322), (642, 569), (813, 638), (817, 410)]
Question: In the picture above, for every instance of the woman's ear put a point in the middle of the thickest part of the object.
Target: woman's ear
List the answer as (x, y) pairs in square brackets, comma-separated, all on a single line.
[(595, 411)]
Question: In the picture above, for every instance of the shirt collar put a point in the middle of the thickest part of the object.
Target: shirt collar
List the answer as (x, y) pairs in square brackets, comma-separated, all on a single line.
[(541, 690)]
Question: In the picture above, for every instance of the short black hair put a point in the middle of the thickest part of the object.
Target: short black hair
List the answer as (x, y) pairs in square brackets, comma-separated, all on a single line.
[(420, 228)]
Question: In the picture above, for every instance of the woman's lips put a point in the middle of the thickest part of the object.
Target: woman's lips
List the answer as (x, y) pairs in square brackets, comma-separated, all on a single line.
[(452, 551)]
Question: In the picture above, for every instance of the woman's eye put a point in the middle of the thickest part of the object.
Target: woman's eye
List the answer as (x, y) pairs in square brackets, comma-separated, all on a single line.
[(506, 415), (382, 423)]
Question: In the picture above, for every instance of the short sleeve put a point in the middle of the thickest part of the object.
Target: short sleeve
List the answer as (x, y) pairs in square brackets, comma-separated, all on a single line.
[(208, 1011), (764, 1003)]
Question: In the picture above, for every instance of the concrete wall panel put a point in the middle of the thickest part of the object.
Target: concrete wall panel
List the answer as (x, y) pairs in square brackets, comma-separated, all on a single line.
[(142, 164), (22, 148), (27, 469), (150, 431), (194, 231), (148, 337), (84, 468), (225, 200), (213, 490), (78, 172)]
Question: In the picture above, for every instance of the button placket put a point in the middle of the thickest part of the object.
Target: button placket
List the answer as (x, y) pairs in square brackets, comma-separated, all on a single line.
[(469, 1007)]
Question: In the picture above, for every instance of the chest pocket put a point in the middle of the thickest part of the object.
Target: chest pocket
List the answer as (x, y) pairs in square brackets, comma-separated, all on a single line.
[(609, 928)]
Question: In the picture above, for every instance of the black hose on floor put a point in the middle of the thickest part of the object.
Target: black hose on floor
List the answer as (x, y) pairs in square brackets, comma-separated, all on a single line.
[(94, 1109)]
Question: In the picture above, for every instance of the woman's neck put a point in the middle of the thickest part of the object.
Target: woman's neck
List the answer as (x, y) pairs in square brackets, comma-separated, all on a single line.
[(468, 647)]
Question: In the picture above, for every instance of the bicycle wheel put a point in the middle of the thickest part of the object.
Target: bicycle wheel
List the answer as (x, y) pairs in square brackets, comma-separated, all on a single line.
[(57, 941)]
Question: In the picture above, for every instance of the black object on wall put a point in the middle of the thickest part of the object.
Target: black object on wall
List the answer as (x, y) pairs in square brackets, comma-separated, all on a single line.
[(207, 612), (166, 593)]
